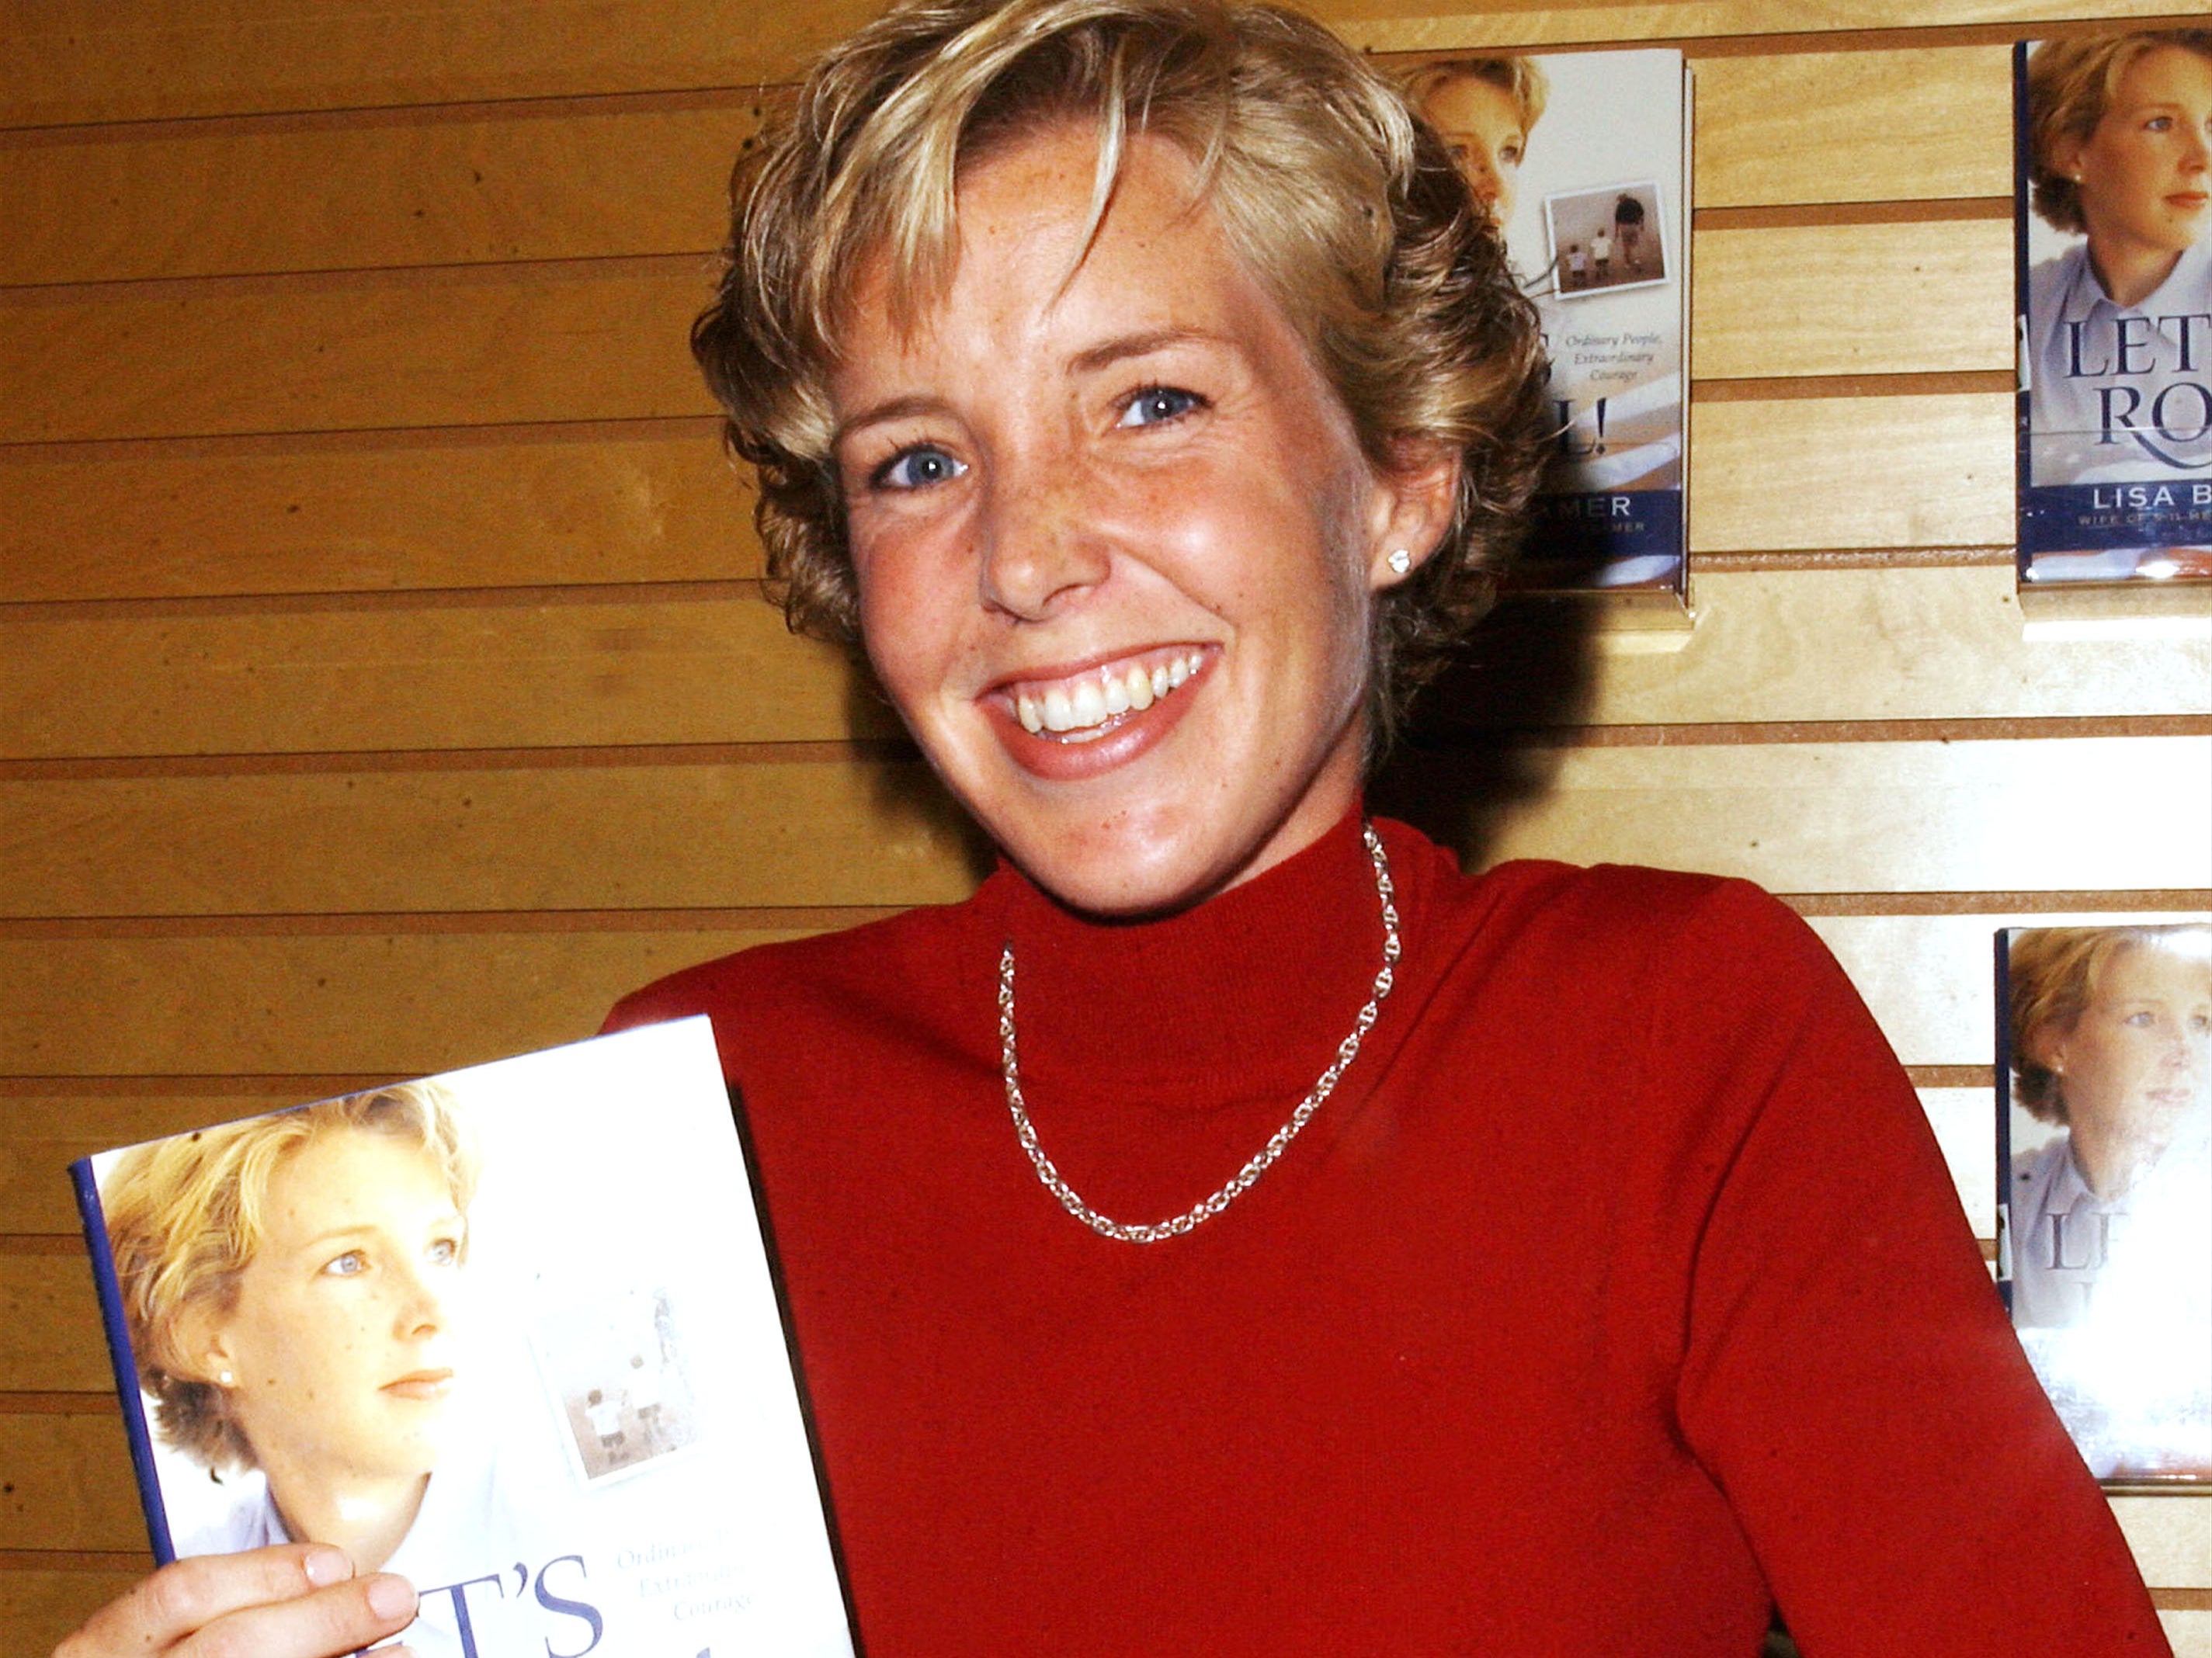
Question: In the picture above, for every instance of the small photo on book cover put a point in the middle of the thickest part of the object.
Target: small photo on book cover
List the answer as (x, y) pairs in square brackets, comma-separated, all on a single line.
[(2103, 1129), (509, 1330), (2112, 213), (1580, 158)]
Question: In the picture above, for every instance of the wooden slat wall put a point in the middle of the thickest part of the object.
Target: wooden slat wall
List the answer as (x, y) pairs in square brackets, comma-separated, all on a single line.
[(377, 624)]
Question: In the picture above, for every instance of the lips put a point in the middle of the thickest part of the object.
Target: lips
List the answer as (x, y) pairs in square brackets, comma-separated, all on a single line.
[(422, 1386), (1073, 722)]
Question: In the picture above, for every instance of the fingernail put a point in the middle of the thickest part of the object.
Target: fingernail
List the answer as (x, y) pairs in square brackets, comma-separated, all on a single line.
[(390, 1596), (325, 1566)]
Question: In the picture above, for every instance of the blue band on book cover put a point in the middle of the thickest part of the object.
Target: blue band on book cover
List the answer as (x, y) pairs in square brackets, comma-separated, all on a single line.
[(1618, 539), (510, 1331)]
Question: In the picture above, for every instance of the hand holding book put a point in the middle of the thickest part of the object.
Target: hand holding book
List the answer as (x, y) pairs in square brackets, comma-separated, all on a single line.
[(292, 1600)]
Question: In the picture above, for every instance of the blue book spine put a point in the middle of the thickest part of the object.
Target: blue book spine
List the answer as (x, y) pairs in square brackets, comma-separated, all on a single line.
[(135, 1427)]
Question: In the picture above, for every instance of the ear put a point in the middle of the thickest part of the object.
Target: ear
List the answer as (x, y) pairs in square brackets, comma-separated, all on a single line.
[(2066, 157), (1410, 511), (2046, 1048), (203, 1342)]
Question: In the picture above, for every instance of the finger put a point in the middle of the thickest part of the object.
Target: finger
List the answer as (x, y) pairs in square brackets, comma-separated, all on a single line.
[(160, 1609), (328, 1623)]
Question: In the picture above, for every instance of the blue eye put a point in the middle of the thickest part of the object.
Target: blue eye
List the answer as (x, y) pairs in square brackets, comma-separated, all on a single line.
[(916, 469), (352, 1264), (445, 1251), (1157, 403)]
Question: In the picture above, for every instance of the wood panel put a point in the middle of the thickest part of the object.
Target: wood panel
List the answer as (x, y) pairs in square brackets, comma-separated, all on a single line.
[(488, 183), (604, 339), (384, 1004), (469, 676), (2171, 1537), (49, 1336), (653, 501), (68, 1483), (38, 1606), (1908, 124), (2055, 814), (1443, 25), (1868, 299), (396, 1003), (1769, 646), (1923, 470), (643, 175), (1931, 980), (64, 61), (82, 61), (41, 1134), (484, 344)]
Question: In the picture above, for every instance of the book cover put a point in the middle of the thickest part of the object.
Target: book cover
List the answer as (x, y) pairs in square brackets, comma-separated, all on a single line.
[(509, 1330), (2103, 1127), (1581, 158), (2113, 270)]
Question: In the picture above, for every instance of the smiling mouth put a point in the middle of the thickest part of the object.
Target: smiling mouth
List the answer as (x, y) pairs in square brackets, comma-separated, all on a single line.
[(422, 1385), (1082, 708)]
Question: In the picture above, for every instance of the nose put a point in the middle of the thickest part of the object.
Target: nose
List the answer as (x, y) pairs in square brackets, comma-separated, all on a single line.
[(2197, 154), (419, 1295), (1041, 548), (1482, 175)]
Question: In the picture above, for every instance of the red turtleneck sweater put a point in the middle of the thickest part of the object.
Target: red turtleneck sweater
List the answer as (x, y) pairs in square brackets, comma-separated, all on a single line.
[(1619, 1287)]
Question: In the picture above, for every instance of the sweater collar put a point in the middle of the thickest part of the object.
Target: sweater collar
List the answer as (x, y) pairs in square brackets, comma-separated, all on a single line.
[(1246, 994)]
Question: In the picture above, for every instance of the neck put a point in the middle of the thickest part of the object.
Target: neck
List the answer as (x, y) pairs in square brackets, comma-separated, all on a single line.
[(2110, 1159), (2128, 272), (366, 1516)]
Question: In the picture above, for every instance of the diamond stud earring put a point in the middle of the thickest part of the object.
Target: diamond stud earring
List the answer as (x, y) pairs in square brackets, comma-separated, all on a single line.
[(1400, 560)]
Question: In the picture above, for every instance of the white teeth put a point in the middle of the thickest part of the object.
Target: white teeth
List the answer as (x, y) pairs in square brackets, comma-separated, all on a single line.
[(1091, 701)]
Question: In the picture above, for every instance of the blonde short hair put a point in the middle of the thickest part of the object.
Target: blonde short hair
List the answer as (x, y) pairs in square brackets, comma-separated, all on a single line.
[(2070, 83), (1345, 206), (185, 1219), (1521, 79), (2053, 973)]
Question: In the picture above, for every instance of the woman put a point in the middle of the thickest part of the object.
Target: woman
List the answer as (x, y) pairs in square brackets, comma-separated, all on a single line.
[(2120, 142), (2112, 1034), (1233, 1227), (288, 1283), (1484, 108)]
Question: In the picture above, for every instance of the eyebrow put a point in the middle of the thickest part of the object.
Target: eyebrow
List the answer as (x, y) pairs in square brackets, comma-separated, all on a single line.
[(1090, 360), (1108, 353), (880, 414)]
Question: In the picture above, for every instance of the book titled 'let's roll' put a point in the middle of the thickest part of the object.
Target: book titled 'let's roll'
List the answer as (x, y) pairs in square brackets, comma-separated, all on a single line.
[(509, 1330)]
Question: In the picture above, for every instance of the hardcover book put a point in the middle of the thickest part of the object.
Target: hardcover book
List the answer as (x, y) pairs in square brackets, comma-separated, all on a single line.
[(1581, 159), (2113, 270), (509, 1330), (2104, 1123)]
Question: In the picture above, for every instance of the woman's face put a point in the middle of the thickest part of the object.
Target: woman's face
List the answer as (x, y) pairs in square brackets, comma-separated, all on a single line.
[(2139, 1058), (1115, 539), (2144, 172), (1482, 124), (341, 1345)]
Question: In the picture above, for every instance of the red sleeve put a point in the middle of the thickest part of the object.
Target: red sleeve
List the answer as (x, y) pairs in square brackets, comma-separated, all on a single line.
[(1851, 1378)]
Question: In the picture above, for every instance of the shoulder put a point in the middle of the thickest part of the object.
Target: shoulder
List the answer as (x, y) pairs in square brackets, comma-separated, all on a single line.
[(2047, 283), (806, 967)]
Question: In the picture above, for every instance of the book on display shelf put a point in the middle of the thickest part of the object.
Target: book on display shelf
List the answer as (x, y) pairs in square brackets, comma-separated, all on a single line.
[(2103, 1172), (2112, 275), (509, 1330), (1583, 160)]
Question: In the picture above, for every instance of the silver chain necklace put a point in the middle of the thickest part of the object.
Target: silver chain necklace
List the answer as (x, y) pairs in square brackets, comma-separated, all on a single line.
[(1243, 1180)]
